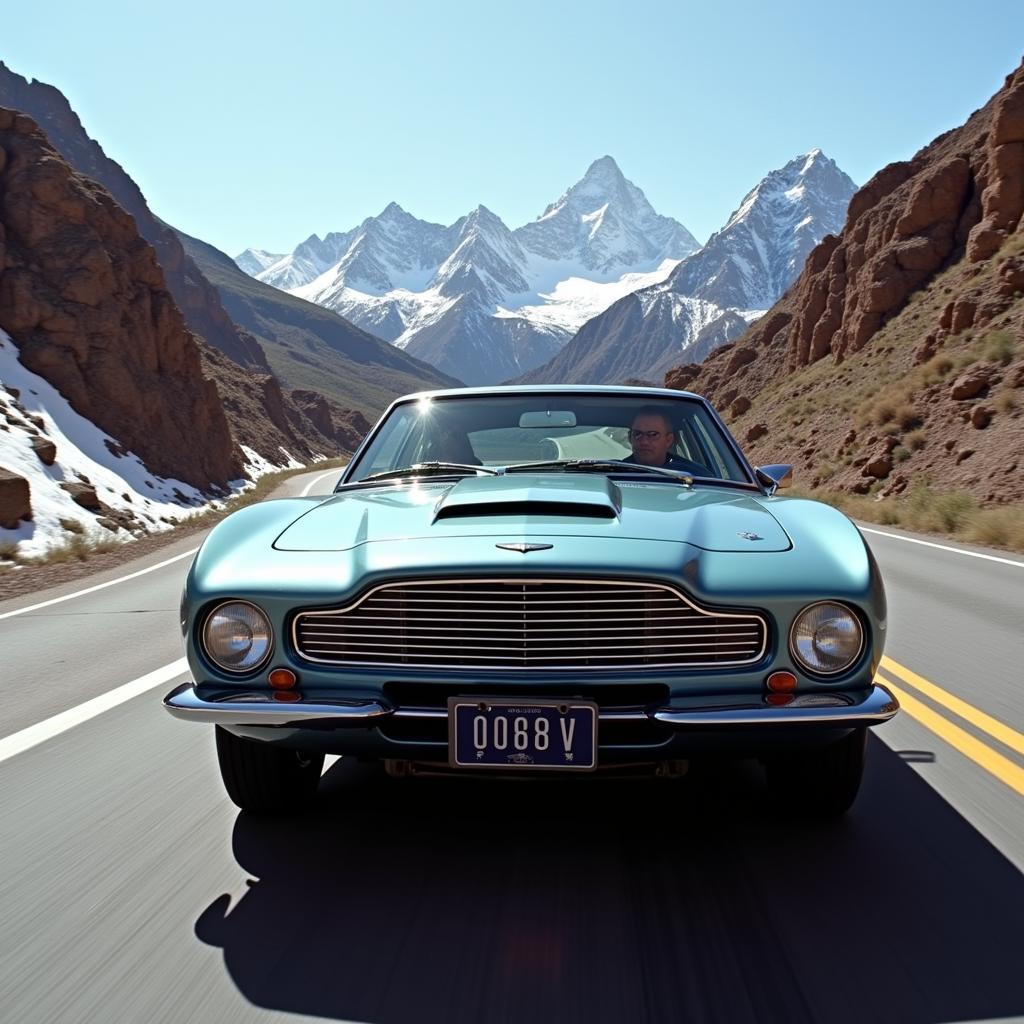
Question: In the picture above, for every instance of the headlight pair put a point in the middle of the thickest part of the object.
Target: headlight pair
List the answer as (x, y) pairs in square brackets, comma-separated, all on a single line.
[(237, 636), (826, 638)]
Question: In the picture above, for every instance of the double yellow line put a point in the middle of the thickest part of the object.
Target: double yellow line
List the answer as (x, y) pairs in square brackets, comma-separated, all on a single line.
[(997, 764)]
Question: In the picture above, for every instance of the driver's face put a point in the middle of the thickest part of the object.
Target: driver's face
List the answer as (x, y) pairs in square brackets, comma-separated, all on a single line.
[(651, 440)]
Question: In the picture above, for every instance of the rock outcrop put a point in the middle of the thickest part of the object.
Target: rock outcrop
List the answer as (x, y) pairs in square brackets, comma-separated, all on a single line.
[(898, 354), (15, 499), (346, 427), (197, 299), (83, 297), (964, 192)]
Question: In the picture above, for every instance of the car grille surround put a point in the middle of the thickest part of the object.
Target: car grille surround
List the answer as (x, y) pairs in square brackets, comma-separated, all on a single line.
[(520, 624)]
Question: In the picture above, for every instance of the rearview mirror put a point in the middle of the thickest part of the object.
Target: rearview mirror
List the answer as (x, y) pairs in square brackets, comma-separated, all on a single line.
[(547, 418)]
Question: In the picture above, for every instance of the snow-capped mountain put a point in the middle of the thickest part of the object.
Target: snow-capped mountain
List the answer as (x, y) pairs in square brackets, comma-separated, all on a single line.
[(712, 296), (606, 223), (480, 299), (751, 261), (255, 261)]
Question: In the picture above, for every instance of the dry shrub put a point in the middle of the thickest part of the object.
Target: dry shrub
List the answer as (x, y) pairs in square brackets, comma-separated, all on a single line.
[(883, 411), (937, 369), (1002, 527), (935, 511), (78, 547), (916, 439), (906, 417), (1005, 400), (999, 347)]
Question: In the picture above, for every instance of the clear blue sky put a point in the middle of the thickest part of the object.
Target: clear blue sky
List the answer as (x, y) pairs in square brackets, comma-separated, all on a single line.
[(259, 124)]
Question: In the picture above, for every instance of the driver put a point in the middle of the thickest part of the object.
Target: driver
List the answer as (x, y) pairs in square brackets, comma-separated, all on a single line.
[(653, 439)]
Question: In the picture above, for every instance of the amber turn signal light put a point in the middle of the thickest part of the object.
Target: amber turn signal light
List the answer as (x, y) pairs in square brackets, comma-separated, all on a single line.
[(282, 678), (779, 682)]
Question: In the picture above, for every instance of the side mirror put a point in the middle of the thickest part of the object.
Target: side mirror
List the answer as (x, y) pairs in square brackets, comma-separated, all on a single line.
[(774, 477)]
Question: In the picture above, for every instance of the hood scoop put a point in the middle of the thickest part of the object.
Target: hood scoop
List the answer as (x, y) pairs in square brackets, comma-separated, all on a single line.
[(522, 495)]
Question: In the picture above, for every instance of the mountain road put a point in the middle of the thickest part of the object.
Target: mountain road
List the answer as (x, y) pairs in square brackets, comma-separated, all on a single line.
[(133, 890)]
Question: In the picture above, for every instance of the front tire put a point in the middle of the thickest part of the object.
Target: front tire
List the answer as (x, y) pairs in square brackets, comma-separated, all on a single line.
[(264, 778), (821, 782)]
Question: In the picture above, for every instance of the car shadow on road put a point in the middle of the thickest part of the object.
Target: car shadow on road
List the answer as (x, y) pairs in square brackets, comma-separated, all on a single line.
[(420, 901)]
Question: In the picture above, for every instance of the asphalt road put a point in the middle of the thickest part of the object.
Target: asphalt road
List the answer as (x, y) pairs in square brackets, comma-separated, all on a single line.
[(133, 890)]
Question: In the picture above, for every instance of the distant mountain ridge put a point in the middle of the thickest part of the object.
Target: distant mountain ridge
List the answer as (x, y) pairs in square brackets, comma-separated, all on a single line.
[(478, 299), (313, 348), (712, 296)]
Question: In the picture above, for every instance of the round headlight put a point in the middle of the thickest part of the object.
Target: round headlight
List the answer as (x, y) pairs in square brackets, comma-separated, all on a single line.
[(237, 636), (826, 638)]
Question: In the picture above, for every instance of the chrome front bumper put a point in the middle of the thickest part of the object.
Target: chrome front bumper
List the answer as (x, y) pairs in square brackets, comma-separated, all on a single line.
[(265, 708)]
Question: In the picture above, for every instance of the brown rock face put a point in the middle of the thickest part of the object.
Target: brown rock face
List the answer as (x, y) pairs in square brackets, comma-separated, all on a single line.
[(346, 427), (45, 449), (964, 192), (195, 296), (971, 383), (83, 298), (84, 495), (15, 499), (878, 465)]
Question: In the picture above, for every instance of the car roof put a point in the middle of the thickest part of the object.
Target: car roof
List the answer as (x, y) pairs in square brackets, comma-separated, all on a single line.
[(540, 389)]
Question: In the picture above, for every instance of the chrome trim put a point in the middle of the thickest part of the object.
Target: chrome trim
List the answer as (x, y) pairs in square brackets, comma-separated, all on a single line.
[(260, 708), (541, 659), (878, 706), (217, 663), (837, 671)]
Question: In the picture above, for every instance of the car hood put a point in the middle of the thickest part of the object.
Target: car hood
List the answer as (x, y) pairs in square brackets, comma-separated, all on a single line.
[(523, 505)]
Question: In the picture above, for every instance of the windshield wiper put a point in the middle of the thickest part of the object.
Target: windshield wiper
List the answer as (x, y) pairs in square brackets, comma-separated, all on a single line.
[(429, 469), (601, 466)]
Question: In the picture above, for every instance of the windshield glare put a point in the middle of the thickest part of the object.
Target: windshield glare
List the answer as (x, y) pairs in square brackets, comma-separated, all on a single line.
[(508, 430)]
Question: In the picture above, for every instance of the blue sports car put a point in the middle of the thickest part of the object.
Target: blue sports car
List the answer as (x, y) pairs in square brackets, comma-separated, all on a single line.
[(539, 580)]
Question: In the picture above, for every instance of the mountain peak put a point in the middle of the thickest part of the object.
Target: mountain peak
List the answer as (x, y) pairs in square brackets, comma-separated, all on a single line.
[(392, 212), (605, 223), (604, 166)]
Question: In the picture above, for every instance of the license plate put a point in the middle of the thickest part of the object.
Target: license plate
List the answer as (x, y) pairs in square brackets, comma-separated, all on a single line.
[(503, 733)]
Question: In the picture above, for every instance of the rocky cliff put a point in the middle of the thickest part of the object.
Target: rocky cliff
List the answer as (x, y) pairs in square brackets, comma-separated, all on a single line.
[(898, 353), (83, 297), (196, 297)]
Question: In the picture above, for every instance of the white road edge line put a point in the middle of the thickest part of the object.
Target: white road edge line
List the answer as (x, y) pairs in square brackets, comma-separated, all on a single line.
[(99, 586), (313, 483), (943, 547), (33, 735), (133, 575)]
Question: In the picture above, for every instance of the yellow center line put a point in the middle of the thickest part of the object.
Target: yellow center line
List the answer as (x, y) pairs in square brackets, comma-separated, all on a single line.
[(980, 753), (986, 723)]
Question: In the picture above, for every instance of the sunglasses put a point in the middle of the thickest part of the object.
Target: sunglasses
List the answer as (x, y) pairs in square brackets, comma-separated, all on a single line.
[(650, 435)]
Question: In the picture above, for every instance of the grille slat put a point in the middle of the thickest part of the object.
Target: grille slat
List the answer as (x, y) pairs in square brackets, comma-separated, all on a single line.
[(532, 623), (326, 631)]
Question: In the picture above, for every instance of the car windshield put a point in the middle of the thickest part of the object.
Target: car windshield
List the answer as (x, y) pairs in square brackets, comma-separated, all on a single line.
[(514, 430)]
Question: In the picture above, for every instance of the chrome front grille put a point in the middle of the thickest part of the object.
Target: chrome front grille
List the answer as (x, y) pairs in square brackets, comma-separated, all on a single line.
[(528, 624)]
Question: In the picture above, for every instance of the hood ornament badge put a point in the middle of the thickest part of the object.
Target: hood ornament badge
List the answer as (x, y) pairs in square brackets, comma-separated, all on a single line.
[(524, 548), (746, 535)]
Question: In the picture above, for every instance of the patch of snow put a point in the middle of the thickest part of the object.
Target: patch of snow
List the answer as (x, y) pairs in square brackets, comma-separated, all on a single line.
[(122, 483)]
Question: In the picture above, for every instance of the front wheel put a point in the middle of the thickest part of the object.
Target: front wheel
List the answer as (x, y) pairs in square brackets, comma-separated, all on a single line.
[(265, 778), (821, 782)]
